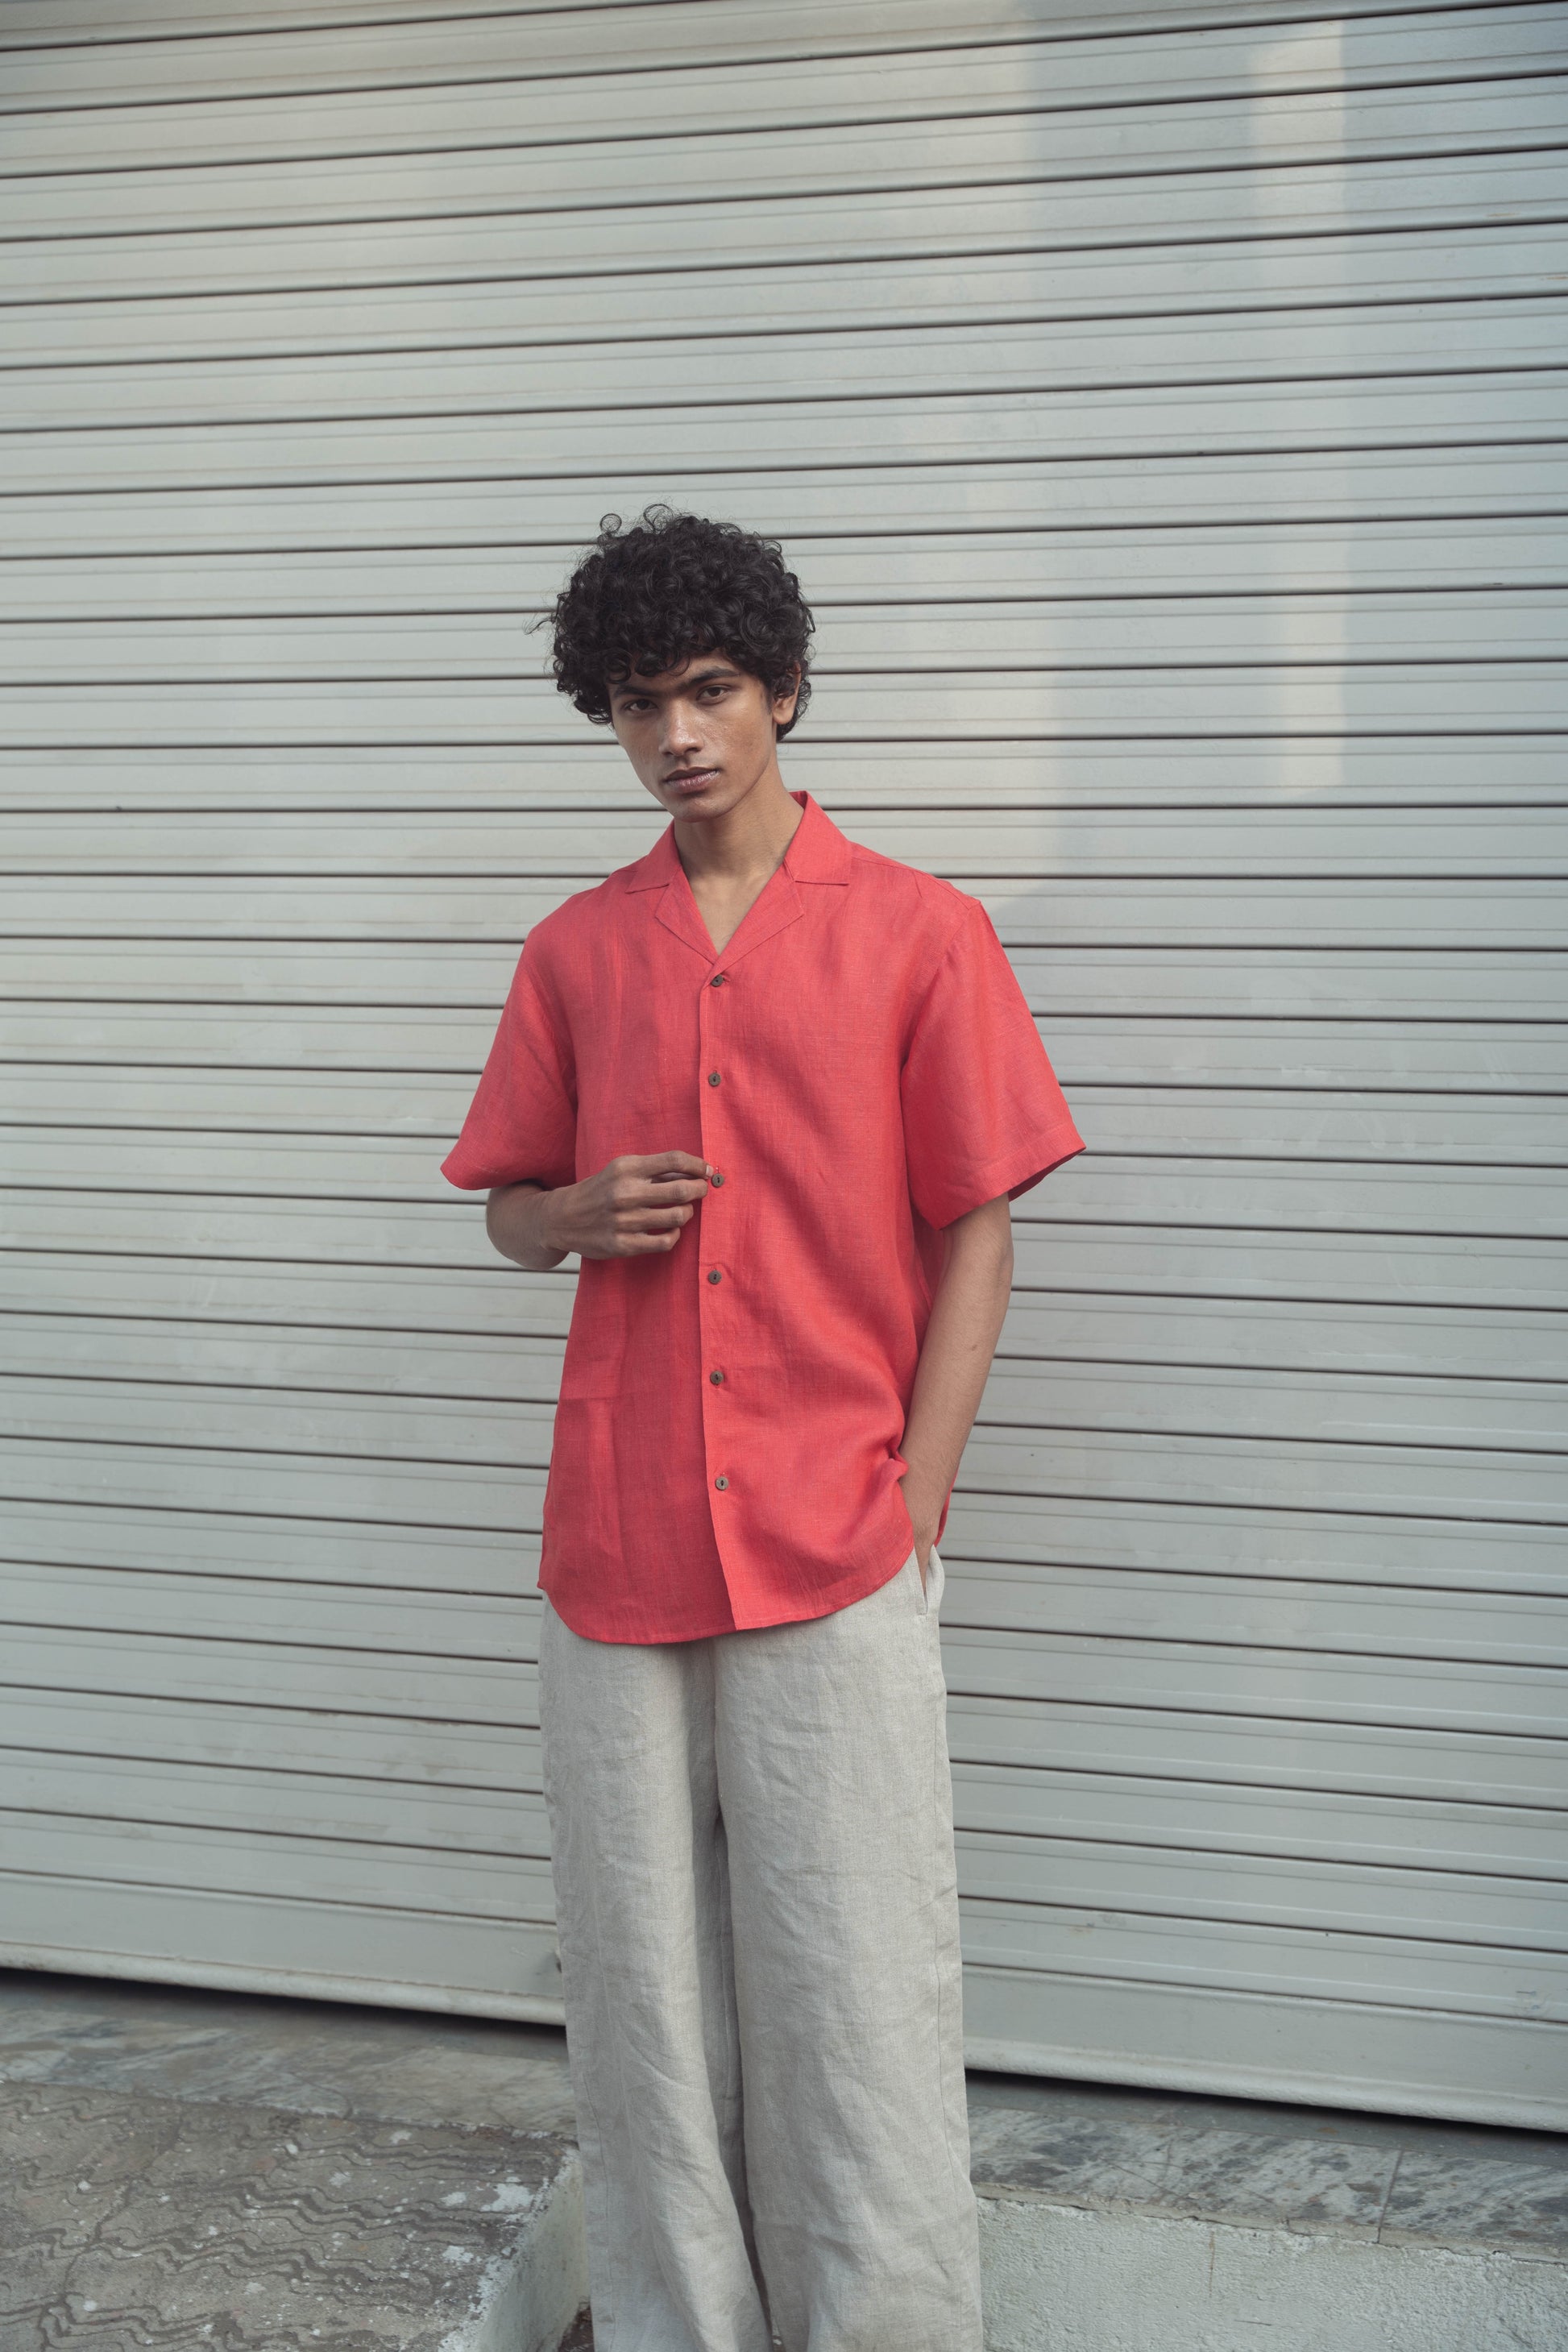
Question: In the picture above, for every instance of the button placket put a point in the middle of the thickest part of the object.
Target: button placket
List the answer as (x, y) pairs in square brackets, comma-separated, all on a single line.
[(712, 1297)]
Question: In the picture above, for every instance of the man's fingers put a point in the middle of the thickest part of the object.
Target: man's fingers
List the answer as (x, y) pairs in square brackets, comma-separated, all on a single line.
[(634, 1194), (658, 1220), (657, 1164), (648, 1196)]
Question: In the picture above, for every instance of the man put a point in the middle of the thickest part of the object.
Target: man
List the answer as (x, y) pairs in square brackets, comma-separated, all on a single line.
[(774, 1091)]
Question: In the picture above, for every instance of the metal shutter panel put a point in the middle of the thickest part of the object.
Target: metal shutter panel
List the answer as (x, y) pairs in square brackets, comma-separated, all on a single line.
[(1163, 407)]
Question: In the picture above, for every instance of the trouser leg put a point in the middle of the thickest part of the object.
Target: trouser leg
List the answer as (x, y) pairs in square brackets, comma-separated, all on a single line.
[(643, 1905), (836, 1788)]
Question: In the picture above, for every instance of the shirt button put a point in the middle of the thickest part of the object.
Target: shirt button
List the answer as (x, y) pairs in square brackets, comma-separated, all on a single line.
[(723, 1484), (713, 1077), (715, 1276), (716, 981), (717, 1379), (717, 1177)]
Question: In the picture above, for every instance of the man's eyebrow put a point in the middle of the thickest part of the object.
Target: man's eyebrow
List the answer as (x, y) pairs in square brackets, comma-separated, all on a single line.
[(703, 677)]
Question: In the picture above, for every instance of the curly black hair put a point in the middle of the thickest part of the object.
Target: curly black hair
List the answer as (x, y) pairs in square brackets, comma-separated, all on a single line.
[(652, 593)]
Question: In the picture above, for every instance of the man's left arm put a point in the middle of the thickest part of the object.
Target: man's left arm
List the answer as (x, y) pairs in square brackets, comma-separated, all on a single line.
[(961, 1338)]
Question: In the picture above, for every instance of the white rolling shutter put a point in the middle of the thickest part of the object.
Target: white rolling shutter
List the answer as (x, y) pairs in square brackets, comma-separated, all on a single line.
[(1163, 407)]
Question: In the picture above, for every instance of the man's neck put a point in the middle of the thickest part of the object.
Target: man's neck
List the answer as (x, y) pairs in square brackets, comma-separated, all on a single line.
[(747, 843)]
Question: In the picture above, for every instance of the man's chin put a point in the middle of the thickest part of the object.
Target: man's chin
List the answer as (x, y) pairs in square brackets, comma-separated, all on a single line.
[(701, 801)]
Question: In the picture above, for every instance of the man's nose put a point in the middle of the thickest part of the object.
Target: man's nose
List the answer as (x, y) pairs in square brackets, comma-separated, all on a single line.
[(681, 732)]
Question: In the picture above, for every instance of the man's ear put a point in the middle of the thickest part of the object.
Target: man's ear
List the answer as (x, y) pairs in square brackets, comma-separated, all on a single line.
[(781, 717)]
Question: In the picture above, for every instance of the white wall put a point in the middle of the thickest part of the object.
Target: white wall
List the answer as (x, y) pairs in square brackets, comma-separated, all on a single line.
[(1163, 407)]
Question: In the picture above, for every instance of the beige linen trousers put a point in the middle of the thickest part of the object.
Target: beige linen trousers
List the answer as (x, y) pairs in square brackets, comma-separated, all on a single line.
[(759, 1937)]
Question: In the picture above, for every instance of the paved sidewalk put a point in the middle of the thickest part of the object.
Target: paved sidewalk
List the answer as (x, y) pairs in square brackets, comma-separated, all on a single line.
[(278, 2175), (127, 2218), (189, 2171)]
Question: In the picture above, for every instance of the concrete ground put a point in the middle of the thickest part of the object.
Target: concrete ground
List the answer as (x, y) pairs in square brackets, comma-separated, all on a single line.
[(187, 2168), (131, 2219)]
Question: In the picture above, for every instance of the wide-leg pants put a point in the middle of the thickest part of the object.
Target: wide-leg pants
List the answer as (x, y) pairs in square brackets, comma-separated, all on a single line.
[(759, 1939)]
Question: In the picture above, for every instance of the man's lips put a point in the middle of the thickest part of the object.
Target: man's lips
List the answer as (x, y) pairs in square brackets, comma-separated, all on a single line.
[(687, 780)]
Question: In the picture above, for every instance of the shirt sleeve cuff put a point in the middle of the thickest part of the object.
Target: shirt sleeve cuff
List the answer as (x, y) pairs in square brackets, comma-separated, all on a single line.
[(1014, 1173), (470, 1171)]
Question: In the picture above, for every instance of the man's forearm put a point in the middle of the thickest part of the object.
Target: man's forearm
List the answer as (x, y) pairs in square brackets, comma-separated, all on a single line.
[(515, 1215), (961, 1338)]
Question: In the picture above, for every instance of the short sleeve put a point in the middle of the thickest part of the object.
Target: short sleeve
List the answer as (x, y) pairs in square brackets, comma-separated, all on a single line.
[(982, 1112), (522, 1126)]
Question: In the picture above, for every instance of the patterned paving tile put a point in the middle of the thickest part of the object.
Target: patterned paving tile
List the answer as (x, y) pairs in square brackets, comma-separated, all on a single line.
[(128, 2220)]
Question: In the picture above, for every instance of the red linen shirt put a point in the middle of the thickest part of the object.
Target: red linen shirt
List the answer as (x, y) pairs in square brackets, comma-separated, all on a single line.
[(859, 1069)]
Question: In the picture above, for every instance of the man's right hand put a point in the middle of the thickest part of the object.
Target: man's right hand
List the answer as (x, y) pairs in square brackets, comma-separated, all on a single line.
[(634, 1207)]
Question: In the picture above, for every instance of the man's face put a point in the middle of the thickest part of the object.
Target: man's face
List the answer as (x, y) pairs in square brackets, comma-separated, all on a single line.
[(701, 736)]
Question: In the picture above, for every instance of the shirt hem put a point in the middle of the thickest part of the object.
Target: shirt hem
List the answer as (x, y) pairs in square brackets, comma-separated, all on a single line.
[(826, 1603)]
